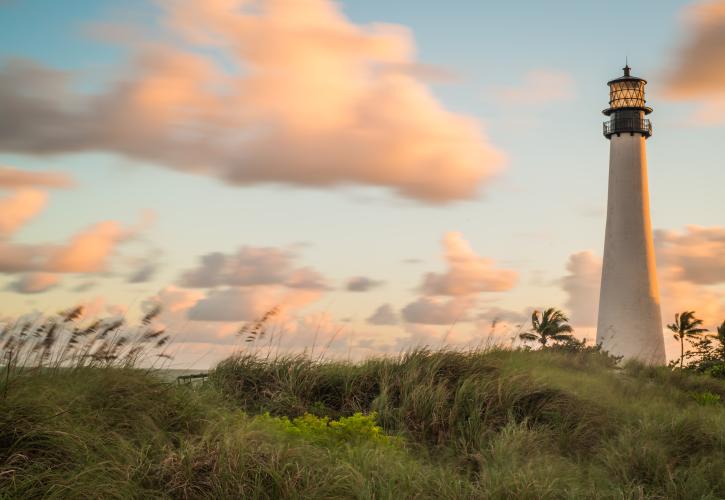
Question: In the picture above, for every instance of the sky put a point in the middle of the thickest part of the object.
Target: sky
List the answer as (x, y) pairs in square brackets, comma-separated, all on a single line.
[(388, 174)]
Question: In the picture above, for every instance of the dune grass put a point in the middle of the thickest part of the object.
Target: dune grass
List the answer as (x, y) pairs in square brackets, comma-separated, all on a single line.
[(444, 424)]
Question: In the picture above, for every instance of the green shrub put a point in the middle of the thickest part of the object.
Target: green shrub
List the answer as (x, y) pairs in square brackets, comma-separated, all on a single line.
[(355, 429), (706, 398)]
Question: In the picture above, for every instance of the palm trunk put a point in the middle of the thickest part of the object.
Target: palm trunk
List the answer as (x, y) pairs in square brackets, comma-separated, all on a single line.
[(682, 351)]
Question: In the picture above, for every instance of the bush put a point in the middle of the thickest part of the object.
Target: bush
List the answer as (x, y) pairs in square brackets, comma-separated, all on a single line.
[(355, 429)]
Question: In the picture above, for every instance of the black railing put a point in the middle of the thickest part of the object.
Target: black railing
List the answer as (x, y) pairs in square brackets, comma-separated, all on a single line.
[(627, 124)]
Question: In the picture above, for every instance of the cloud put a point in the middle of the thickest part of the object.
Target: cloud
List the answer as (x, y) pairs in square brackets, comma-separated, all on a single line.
[(143, 273), (437, 311), (696, 255), (84, 286), (499, 315), (248, 304), (18, 208), (467, 272), (34, 283), (251, 266), (321, 102), (88, 251), (581, 284), (362, 284), (697, 72), (689, 269), (246, 284), (383, 315), (540, 87), (13, 178), (26, 199)]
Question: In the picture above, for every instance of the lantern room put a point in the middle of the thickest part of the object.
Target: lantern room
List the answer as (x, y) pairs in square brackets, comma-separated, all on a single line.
[(627, 106)]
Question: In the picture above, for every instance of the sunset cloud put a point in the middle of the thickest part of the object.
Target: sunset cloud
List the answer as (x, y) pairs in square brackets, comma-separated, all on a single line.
[(248, 304), (362, 284), (467, 273), (447, 297), (34, 282), (321, 102), (249, 282), (690, 273), (88, 251), (13, 178), (26, 197), (384, 315), (251, 266), (696, 255), (698, 71), (437, 311), (17, 208)]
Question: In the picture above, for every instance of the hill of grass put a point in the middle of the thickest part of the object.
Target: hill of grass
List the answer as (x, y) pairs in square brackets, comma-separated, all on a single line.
[(496, 424)]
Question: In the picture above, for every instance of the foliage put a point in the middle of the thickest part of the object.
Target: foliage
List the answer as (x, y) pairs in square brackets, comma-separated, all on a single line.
[(427, 424), (549, 325), (686, 325), (707, 353), (706, 398), (580, 347), (358, 428)]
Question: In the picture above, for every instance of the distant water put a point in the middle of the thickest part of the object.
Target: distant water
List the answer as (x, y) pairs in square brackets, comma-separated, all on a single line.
[(170, 375)]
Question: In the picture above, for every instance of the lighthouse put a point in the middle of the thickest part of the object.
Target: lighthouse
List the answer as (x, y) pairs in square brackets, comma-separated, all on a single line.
[(630, 322)]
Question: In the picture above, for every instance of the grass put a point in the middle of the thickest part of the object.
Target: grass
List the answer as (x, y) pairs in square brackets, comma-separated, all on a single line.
[(444, 424)]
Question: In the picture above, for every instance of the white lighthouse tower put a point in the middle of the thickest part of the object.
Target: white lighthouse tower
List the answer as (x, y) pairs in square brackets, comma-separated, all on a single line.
[(630, 322)]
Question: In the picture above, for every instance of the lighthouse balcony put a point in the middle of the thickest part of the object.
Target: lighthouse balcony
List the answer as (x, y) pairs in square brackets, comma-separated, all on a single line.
[(632, 125)]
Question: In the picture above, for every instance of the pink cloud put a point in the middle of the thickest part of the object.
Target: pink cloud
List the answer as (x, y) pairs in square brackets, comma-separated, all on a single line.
[(698, 73), (251, 266), (383, 315), (89, 250), (689, 267), (35, 282), (18, 208), (696, 255), (437, 311), (249, 303), (467, 273), (14, 178), (307, 99)]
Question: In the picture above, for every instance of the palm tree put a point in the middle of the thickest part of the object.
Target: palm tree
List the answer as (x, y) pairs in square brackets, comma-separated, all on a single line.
[(685, 325), (552, 324), (720, 338)]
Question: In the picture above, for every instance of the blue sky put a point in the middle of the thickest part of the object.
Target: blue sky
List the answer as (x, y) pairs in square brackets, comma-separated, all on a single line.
[(547, 204)]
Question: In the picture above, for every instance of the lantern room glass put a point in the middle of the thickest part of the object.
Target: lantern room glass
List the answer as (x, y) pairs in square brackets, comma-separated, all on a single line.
[(627, 93)]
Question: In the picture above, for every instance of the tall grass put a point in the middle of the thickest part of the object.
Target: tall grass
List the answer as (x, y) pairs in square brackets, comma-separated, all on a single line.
[(65, 341), (453, 425), (521, 423)]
